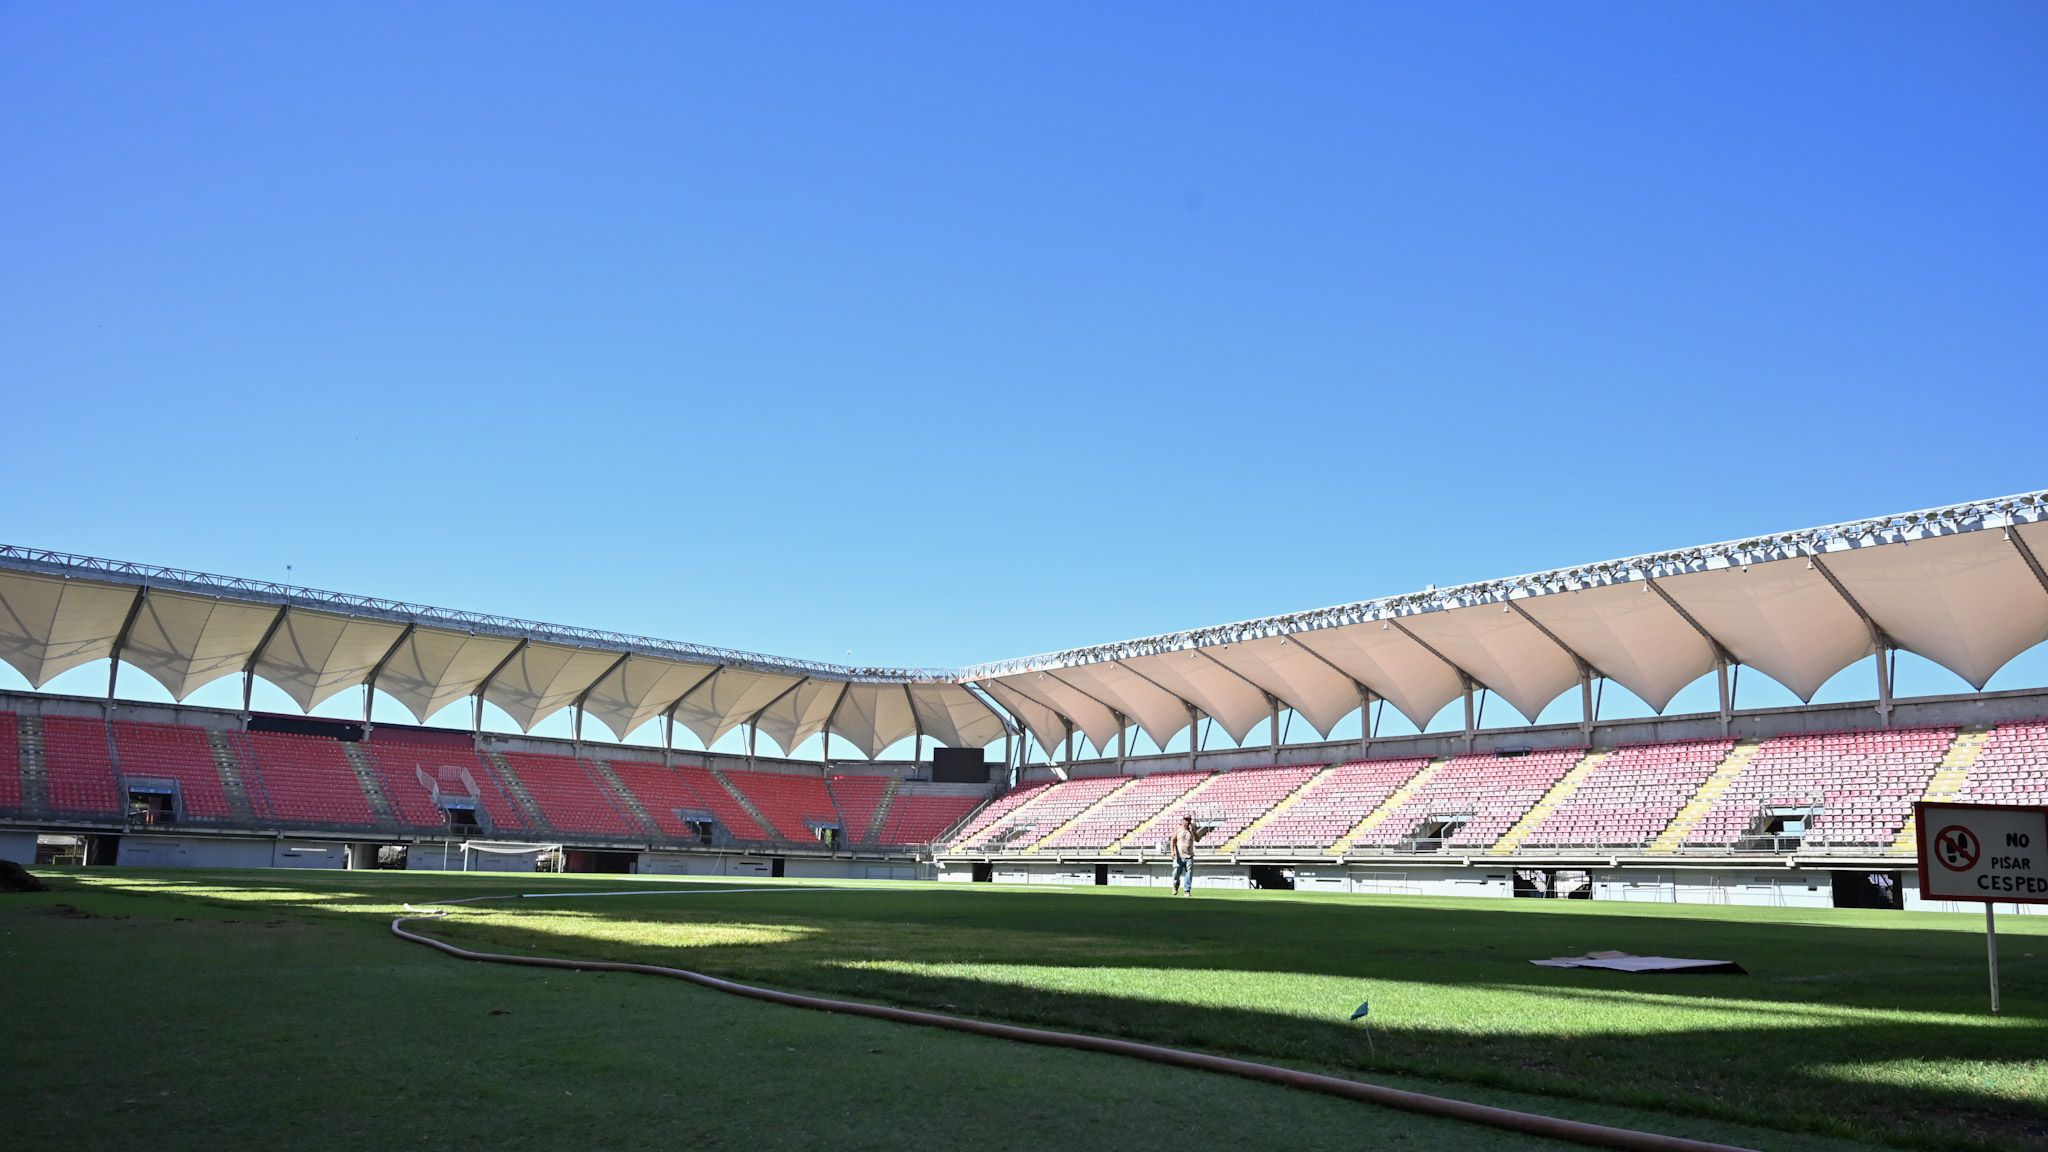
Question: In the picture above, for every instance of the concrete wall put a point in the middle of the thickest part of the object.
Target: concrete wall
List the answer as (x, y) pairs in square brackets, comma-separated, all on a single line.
[(195, 852), (18, 847), (308, 854), (1968, 709), (687, 864)]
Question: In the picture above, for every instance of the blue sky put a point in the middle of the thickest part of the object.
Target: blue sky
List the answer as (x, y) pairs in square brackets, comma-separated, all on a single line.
[(932, 334)]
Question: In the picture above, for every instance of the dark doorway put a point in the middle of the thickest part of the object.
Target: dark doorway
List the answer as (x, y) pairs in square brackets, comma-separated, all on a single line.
[(1102, 874), (593, 860), (1272, 877), (775, 865), (150, 805), (1868, 890), (984, 872)]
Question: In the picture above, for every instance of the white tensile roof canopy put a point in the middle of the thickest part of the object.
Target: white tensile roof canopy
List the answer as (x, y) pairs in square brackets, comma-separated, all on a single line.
[(1962, 586)]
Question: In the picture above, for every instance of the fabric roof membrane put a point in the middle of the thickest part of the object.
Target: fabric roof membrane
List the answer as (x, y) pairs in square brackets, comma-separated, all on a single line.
[(50, 625), (435, 668), (1091, 717), (186, 642), (543, 679), (1967, 602), (873, 716), (954, 717), (1630, 635), (1152, 708), (1221, 694), (725, 701), (1782, 618), (1042, 722), (1501, 650), (313, 656), (1318, 693), (639, 690), (1393, 665), (800, 714)]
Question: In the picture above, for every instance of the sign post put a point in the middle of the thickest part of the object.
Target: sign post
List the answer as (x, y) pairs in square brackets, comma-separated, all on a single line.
[(1987, 853)]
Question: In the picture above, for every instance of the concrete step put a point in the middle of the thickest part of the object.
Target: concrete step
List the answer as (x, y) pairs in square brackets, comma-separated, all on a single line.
[(359, 762), (1394, 800), (516, 788), (625, 796), (1558, 794), (1702, 801), (1946, 783), (1273, 813), (229, 766), (1083, 814)]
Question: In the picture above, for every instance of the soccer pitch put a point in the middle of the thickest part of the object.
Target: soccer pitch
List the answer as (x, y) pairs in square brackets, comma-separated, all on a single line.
[(169, 1009)]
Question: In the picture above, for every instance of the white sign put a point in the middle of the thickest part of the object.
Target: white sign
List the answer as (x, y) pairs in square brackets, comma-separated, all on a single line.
[(1984, 852)]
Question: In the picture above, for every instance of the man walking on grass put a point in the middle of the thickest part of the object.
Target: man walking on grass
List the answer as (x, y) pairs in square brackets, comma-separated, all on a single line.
[(1182, 845)]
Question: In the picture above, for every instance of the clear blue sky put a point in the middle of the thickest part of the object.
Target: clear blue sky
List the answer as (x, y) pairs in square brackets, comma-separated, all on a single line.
[(939, 333)]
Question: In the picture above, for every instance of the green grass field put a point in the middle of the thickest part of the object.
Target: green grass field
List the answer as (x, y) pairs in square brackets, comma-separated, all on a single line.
[(182, 1009)]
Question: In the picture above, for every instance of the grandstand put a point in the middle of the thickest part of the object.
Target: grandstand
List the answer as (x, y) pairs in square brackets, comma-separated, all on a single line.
[(1667, 804)]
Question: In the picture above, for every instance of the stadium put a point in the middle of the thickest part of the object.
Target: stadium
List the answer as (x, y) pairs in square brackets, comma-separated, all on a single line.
[(915, 577), (1022, 778), (1807, 806)]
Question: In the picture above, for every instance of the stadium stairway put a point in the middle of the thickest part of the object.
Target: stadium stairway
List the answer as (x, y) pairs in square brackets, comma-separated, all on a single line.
[(373, 789), (634, 808), (1558, 794), (1154, 822), (1702, 801), (1947, 782), (1273, 813), (873, 832), (1006, 818), (35, 780), (231, 782), (516, 789), (746, 805), (1394, 800), (1084, 813)]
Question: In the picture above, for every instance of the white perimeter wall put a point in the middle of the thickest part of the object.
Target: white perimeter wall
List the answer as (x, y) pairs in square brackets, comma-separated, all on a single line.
[(222, 852), (19, 847)]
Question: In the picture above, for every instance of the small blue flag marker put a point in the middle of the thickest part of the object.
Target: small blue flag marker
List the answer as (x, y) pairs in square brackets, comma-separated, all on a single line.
[(1362, 1009)]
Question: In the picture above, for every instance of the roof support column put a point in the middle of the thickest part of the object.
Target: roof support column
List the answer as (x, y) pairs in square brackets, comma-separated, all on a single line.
[(256, 654), (1194, 734), (1471, 723), (376, 670), (1884, 686), (121, 638), (485, 686), (1878, 640), (1589, 709), (583, 698), (1123, 736), (916, 727), (1364, 718), (1727, 691), (1273, 715)]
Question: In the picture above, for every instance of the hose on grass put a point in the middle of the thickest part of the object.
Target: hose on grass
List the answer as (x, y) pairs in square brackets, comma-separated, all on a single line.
[(1529, 1123)]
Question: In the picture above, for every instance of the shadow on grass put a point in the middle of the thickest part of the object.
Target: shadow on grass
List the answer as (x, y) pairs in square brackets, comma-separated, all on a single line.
[(1832, 996)]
